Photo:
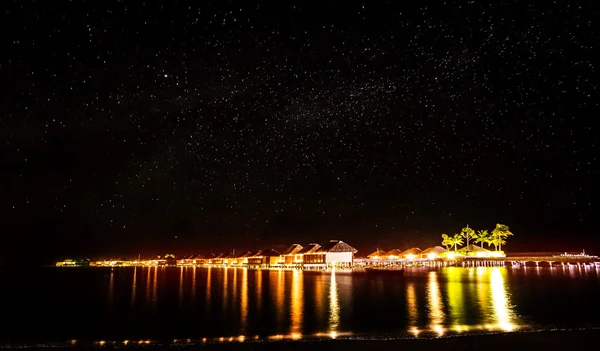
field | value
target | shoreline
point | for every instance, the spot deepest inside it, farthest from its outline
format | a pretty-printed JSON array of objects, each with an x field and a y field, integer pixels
[{"x": 520, "y": 340}]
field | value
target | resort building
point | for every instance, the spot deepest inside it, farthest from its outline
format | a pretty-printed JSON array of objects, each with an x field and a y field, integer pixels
[
  {"x": 410, "y": 253},
  {"x": 477, "y": 251},
  {"x": 264, "y": 257},
  {"x": 432, "y": 252},
  {"x": 291, "y": 256},
  {"x": 378, "y": 254},
  {"x": 393, "y": 254}
]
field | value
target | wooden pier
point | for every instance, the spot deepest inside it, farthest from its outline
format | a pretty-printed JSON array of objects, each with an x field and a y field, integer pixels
[{"x": 510, "y": 261}]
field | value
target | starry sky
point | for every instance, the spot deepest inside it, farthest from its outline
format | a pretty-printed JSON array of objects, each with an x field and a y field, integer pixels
[{"x": 129, "y": 127}]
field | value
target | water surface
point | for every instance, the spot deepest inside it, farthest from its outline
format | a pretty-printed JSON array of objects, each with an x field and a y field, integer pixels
[{"x": 55, "y": 304}]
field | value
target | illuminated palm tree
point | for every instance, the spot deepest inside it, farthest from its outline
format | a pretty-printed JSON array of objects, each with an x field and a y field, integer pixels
[
  {"x": 447, "y": 241},
  {"x": 481, "y": 237},
  {"x": 467, "y": 233},
  {"x": 497, "y": 241},
  {"x": 456, "y": 240},
  {"x": 500, "y": 233}
]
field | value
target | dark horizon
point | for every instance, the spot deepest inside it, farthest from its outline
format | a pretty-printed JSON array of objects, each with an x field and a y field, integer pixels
[{"x": 143, "y": 127}]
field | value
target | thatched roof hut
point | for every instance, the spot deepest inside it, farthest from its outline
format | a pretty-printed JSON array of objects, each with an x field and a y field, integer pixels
[
  {"x": 269, "y": 253},
  {"x": 393, "y": 253},
  {"x": 310, "y": 248},
  {"x": 337, "y": 246},
  {"x": 433, "y": 251},
  {"x": 410, "y": 252},
  {"x": 377, "y": 254},
  {"x": 473, "y": 250},
  {"x": 292, "y": 250}
]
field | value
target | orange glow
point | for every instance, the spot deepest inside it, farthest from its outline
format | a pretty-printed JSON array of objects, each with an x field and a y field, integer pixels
[
  {"x": 411, "y": 300},
  {"x": 133, "y": 285},
  {"x": 155, "y": 285},
  {"x": 111, "y": 287},
  {"x": 410, "y": 256},
  {"x": 244, "y": 299},
  {"x": 280, "y": 294},
  {"x": 180, "y": 286},
  {"x": 334, "y": 306},
  {"x": 297, "y": 301},
  {"x": 434, "y": 297},
  {"x": 259, "y": 274},
  {"x": 225, "y": 288}
]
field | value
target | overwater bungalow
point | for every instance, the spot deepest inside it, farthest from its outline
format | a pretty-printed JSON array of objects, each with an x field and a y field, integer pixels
[
  {"x": 242, "y": 258},
  {"x": 335, "y": 253},
  {"x": 378, "y": 254},
  {"x": 393, "y": 254},
  {"x": 216, "y": 259},
  {"x": 270, "y": 257},
  {"x": 291, "y": 255},
  {"x": 230, "y": 259},
  {"x": 432, "y": 252},
  {"x": 264, "y": 257},
  {"x": 477, "y": 251},
  {"x": 72, "y": 263},
  {"x": 186, "y": 260},
  {"x": 410, "y": 253}
]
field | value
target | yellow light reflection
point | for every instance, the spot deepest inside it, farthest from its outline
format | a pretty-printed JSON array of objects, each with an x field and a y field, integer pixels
[
  {"x": 111, "y": 287},
  {"x": 259, "y": 279},
  {"x": 500, "y": 301},
  {"x": 411, "y": 302},
  {"x": 180, "y": 296},
  {"x": 320, "y": 296},
  {"x": 456, "y": 297},
  {"x": 148, "y": 285},
  {"x": 234, "y": 290},
  {"x": 194, "y": 272},
  {"x": 434, "y": 298},
  {"x": 155, "y": 285},
  {"x": 297, "y": 301},
  {"x": 280, "y": 295},
  {"x": 244, "y": 300},
  {"x": 334, "y": 306},
  {"x": 134, "y": 285},
  {"x": 225, "y": 288},
  {"x": 208, "y": 274}
]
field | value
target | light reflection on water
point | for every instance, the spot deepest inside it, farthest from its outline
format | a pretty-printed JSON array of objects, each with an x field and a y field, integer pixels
[
  {"x": 297, "y": 302},
  {"x": 334, "y": 306},
  {"x": 292, "y": 304},
  {"x": 435, "y": 304},
  {"x": 412, "y": 305}
]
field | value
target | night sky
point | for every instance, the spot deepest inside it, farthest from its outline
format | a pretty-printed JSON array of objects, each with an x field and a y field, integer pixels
[{"x": 135, "y": 127}]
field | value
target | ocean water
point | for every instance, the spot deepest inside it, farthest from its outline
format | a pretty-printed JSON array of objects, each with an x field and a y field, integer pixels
[{"x": 168, "y": 303}]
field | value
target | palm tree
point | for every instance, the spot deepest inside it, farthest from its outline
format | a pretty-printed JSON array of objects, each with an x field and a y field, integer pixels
[
  {"x": 490, "y": 241},
  {"x": 456, "y": 240},
  {"x": 497, "y": 241},
  {"x": 446, "y": 241},
  {"x": 481, "y": 237},
  {"x": 500, "y": 233},
  {"x": 467, "y": 233}
]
